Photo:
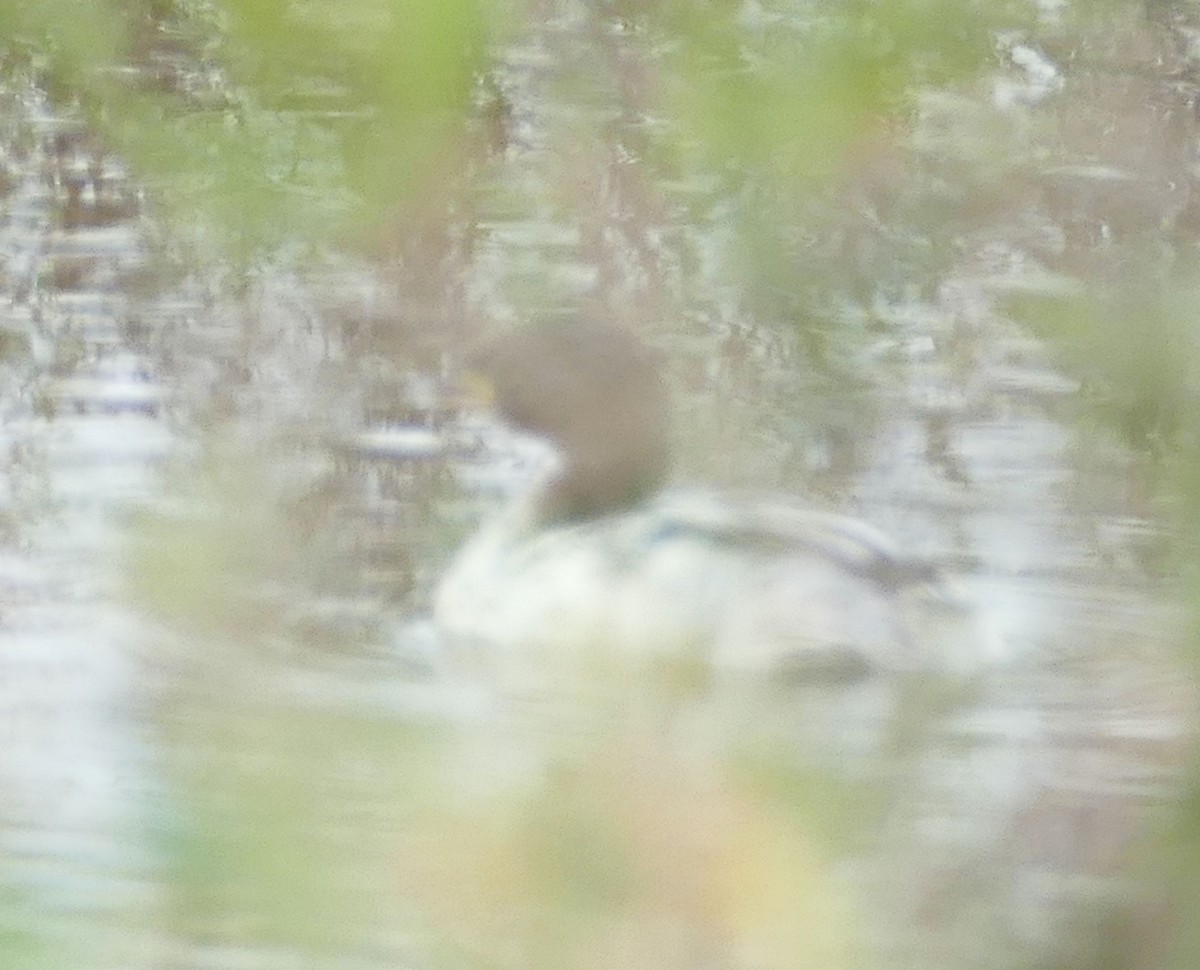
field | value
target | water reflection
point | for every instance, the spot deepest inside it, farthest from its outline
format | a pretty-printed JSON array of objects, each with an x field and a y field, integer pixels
[
  {"x": 83, "y": 431},
  {"x": 225, "y": 737}
]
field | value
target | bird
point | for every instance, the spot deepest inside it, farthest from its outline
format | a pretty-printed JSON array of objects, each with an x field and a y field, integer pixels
[{"x": 604, "y": 557}]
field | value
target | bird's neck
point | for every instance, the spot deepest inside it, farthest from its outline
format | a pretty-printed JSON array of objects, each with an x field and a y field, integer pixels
[{"x": 585, "y": 489}]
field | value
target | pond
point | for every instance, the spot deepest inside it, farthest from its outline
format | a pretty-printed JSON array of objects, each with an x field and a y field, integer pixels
[{"x": 228, "y": 737}]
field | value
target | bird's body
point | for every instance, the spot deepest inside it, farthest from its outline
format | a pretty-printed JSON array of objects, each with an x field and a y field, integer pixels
[
  {"x": 601, "y": 559},
  {"x": 741, "y": 583}
]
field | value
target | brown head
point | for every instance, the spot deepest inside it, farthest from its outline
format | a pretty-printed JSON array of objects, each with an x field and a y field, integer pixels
[{"x": 598, "y": 394}]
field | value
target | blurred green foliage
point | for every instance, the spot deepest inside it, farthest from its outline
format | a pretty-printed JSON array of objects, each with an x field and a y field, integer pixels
[
  {"x": 315, "y": 119},
  {"x": 206, "y": 565},
  {"x": 286, "y": 826},
  {"x": 787, "y": 91},
  {"x": 270, "y": 121},
  {"x": 277, "y": 122}
]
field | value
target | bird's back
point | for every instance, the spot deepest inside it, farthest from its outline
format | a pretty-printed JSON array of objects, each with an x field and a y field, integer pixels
[{"x": 742, "y": 583}]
